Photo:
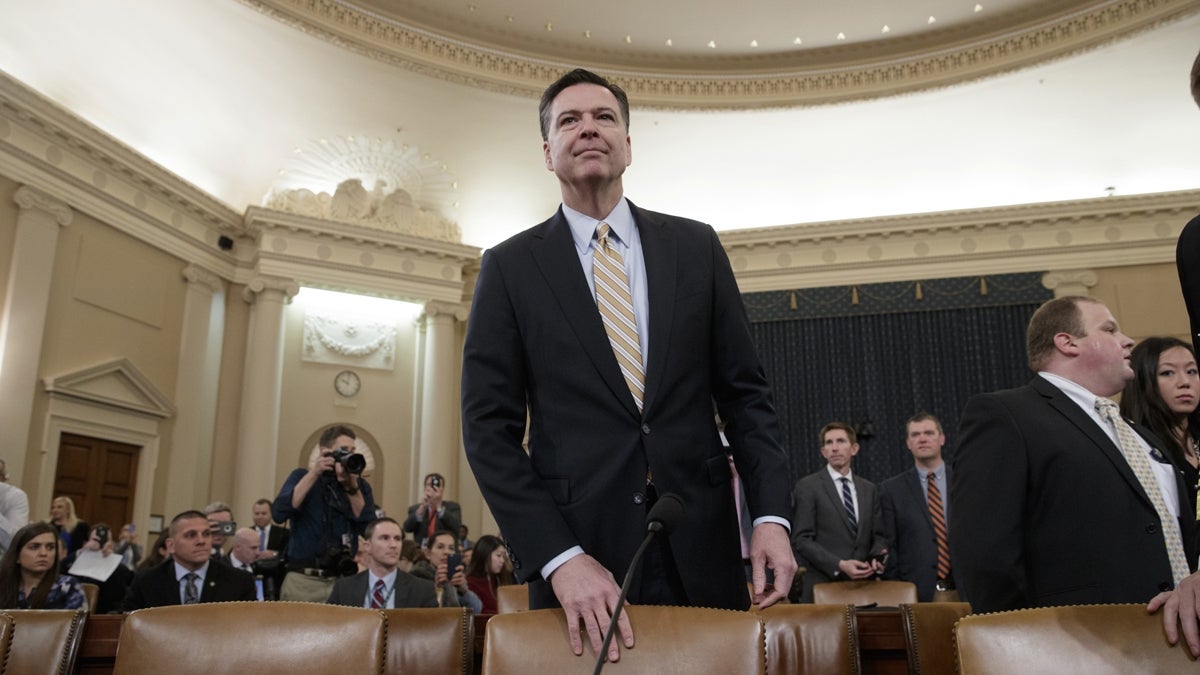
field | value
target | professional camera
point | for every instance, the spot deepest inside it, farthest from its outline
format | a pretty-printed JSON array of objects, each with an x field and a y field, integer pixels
[
  {"x": 338, "y": 560},
  {"x": 352, "y": 461},
  {"x": 224, "y": 527}
]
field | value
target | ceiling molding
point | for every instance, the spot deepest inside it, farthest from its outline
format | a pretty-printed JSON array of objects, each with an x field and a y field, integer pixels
[
  {"x": 802, "y": 78},
  {"x": 1092, "y": 233}
]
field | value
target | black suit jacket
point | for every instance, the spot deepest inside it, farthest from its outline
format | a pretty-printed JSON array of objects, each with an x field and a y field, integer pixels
[
  {"x": 158, "y": 587},
  {"x": 535, "y": 337},
  {"x": 821, "y": 533},
  {"x": 1046, "y": 511},
  {"x": 409, "y": 591},
  {"x": 1187, "y": 259},
  {"x": 277, "y": 539},
  {"x": 912, "y": 545}
]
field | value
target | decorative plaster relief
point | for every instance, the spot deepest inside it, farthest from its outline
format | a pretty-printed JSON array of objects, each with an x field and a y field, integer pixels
[{"x": 346, "y": 339}]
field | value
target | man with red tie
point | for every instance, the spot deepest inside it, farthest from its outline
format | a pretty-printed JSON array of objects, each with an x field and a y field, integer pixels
[{"x": 434, "y": 512}]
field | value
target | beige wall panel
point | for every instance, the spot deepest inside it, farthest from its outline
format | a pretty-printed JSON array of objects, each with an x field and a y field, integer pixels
[
  {"x": 229, "y": 401},
  {"x": 1145, "y": 299},
  {"x": 8, "y": 229}
]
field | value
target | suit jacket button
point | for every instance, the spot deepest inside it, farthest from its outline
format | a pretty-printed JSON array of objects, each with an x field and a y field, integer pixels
[
  {"x": 639, "y": 498},
  {"x": 646, "y": 429},
  {"x": 1151, "y": 529}
]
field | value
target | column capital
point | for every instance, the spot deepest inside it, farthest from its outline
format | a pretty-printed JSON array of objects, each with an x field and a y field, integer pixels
[
  {"x": 435, "y": 308},
  {"x": 265, "y": 284},
  {"x": 1069, "y": 282},
  {"x": 197, "y": 276},
  {"x": 32, "y": 198}
]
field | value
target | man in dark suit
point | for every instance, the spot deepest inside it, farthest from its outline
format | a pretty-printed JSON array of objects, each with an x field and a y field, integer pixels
[
  {"x": 618, "y": 370},
  {"x": 434, "y": 512},
  {"x": 909, "y": 510},
  {"x": 189, "y": 576},
  {"x": 837, "y": 530},
  {"x": 272, "y": 538},
  {"x": 383, "y": 585},
  {"x": 1056, "y": 501},
  {"x": 1181, "y": 606}
]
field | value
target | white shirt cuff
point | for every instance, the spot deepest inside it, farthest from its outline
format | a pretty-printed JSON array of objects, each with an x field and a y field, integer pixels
[
  {"x": 559, "y": 559},
  {"x": 773, "y": 519}
]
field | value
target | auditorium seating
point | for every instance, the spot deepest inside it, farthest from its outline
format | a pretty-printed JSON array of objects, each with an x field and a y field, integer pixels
[
  {"x": 430, "y": 641},
  {"x": 224, "y": 637},
  {"x": 1093, "y": 639},
  {"x": 811, "y": 639},
  {"x": 44, "y": 640},
  {"x": 668, "y": 640},
  {"x": 6, "y": 633},
  {"x": 92, "y": 593},
  {"x": 876, "y": 592},
  {"x": 929, "y": 635},
  {"x": 512, "y": 598}
]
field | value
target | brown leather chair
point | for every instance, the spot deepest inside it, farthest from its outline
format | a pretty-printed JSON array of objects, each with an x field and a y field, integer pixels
[
  {"x": 668, "y": 640},
  {"x": 929, "y": 635},
  {"x": 440, "y": 640},
  {"x": 45, "y": 640},
  {"x": 224, "y": 637},
  {"x": 91, "y": 592},
  {"x": 6, "y": 633},
  {"x": 512, "y": 598},
  {"x": 870, "y": 592},
  {"x": 811, "y": 639},
  {"x": 1093, "y": 639}
]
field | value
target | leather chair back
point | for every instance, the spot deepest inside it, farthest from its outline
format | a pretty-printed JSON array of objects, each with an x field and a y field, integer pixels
[
  {"x": 92, "y": 593},
  {"x": 870, "y": 592},
  {"x": 6, "y": 633},
  {"x": 811, "y": 639},
  {"x": 423, "y": 640},
  {"x": 224, "y": 637},
  {"x": 1093, "y": 639},
  {"x": 512, "y": 598},
  {"x": 45, "y": 640},
  {"x": 668, "y": 640},
  {"x": 929, "y": 635}
]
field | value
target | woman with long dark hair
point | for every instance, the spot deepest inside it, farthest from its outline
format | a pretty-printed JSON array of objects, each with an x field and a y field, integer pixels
[
  {"x": 489, "y": 570},
  {"x": 29, "y": 577},
  {"x": 1163, "y": 396}
]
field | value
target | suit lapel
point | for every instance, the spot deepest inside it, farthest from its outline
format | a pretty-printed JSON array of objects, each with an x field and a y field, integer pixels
[
  {"x": 834, "y": 494},
  {"x": 553, "y": 252},
  {"x": 1085, "y": 424},
  {"x": 659, "y": 254},
  {"x": 917, "y": 493},
  {"x": 866, "y": 498}
]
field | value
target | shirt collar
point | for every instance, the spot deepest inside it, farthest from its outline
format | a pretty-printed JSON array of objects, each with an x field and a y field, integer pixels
[
  {"x": 583, "y": 227},
  {"x": 389, "y": 580},
  {"x": 181, "y": 571},
  {"x": 837, "y": 476}
]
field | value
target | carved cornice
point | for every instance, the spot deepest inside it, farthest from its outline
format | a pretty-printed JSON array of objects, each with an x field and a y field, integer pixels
[
  {"x": 270, "y": 286},
  {"x": 1069, "y": 280},
  {"x": 199, "y": 277},
  {"x": 33, "y": 198},
  {"x": 1085, "y": 234},
  {"x": 805, "y": 77},
  {"x": 435, "y": 308}
]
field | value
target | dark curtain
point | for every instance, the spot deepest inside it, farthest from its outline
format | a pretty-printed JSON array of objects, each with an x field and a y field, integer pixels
[{"x": 883, "y": 368}]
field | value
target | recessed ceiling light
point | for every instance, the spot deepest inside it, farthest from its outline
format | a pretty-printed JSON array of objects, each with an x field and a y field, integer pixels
[
  {"x": 841, "y": 36},
  {"x": 754, "y": 43},
  {"x": 549, "y": 27},
  {"x": 470, "y": 8},
  {"x": 712, "y": 44},
  {"x": 932, "y": 20},
  {"x": 587, "y": 33},
  {"x": 797, "y": 41},
  {"x": 978, "y": 8},
  {"x": 886, "y": 30},
  {"x": 508, "y": 18},
  {"x": 628, "y": 39},
  {"x": 669, "y": 43}
]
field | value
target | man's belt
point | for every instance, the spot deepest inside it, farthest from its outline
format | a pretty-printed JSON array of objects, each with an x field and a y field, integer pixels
[{"x": 945, "y": 585}]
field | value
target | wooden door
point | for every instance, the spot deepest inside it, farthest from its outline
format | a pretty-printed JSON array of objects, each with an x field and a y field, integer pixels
[{"x": 99, "y": 476}]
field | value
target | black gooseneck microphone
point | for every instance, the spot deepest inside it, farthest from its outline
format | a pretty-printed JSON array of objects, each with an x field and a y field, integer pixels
[{"x": 663, "y": 517}]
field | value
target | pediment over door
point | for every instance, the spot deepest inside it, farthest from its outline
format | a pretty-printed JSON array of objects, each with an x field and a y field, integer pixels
[{"x": 116, "y": 384}]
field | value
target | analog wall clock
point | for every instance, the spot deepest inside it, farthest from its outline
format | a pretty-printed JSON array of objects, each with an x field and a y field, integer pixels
[{"x": 347, "y": 383}]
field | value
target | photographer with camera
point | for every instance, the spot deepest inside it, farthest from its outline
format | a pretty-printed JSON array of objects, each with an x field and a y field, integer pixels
[
  {"x": 433, "y": 513},
  {"x": 220, "y": 523},
  {"x": 329, "y": 505}
]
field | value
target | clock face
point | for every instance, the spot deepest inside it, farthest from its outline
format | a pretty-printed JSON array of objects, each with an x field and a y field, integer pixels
[{"x": 347, "y": 383}]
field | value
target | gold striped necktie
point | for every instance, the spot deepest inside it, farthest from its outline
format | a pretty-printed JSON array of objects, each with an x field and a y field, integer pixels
[
  {"x": 615, "y": 303},
  {"x": 937, "y": 514}
]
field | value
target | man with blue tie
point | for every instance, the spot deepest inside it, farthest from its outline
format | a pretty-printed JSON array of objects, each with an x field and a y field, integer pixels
[
  {"x": 837, "y": 530},
  {"x": 383, "y": 585}
]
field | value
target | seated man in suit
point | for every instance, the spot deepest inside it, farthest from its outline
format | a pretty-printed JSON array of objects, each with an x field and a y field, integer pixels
[
  {"x": 915, "y": 506},
  {"x": 433, "y": 513},
  {"x": 189, "y": 576},
  {"x": 272, "y": 539},
  {"x": 838, "y": 526},
  {"x": 382, "y": 585},
  {"x": 1057, "y": 499}
]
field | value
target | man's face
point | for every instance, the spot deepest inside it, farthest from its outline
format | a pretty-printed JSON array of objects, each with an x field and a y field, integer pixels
[
  {"x": 434, "y": 489},
  {"x": 587, "y": 142},
  {"x": 440, "y": 549},
  {"x": 245, "y": 546},
  {"x": 384, "y": 545},
  {"x": 925, "y": 440},
  {"x": 262, "y": 515},
  {"x": 837, "y": 449},
  {"x": 214, "y": 519},
  {"x": 1103, "y": 350},
  {"x": 191, "y": 544}
]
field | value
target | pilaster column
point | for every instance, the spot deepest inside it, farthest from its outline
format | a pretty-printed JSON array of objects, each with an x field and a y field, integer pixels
[
  {"x": 440, "y": 440},
  {"x": 258, "y": 425},
  {"x": 189, "y": 468},
  {"x": 1069, "y": 282},
  {"x": 23, "y": 324}
]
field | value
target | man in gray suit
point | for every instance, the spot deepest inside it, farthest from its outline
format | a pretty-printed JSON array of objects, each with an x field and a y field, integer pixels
[
  {"x": 383, "y": 585},
  {"x": 837, "y": 531}
]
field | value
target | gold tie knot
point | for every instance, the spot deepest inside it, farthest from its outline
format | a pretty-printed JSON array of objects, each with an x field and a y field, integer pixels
[{"x": 602, "y": 232}]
